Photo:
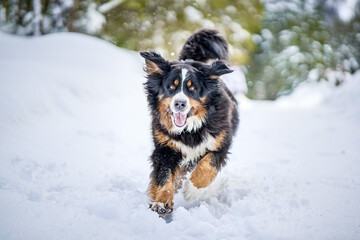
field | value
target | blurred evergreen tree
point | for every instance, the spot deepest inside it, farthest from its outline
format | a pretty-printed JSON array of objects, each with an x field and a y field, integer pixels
[
  {"x": 33, "y": 17},
  {"x": 293, "y": 44},
  {"x": 345, "y": 39},
  {"x": 164, "y": 25}
]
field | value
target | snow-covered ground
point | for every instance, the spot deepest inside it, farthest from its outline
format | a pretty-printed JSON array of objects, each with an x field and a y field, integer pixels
[{"x": 75, "y": 141}]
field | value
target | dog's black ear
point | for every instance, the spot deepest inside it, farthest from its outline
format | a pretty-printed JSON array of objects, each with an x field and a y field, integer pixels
[
  {"x": 156, "y": 65},
  {"x": 218, "y": 68}
]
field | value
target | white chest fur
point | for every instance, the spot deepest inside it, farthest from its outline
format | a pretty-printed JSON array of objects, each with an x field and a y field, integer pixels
[{"x": 191, "y": 154}]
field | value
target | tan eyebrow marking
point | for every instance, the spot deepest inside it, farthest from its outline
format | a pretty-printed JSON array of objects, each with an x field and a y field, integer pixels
[
  {"x": 189, "y": 83},
  {"x": 176, "y": 82}
]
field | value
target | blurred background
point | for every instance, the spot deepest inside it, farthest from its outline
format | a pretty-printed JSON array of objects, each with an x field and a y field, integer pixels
[{"x": 276, "y": 44}]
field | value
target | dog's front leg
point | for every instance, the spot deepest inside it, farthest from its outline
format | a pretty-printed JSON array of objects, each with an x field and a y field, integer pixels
[
  {"x": 162, "y": 195},
  {"x": 205, "y": 172},
  {"x": 202, "y": 176},
  {"x": 162, "y": 179}
]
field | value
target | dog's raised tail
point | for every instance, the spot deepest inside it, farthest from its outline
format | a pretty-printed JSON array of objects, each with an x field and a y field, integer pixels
[{"x": 205, "y": 45}]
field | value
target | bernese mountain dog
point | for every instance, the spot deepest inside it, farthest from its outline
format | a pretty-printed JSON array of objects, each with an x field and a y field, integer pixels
[{"x": 194, "y": 118}]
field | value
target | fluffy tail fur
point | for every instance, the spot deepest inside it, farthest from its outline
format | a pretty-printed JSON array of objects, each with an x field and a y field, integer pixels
[{"x": 205, "y": 45}]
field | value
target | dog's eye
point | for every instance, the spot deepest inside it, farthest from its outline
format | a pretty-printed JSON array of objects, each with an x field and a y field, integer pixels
[
  {"x": 191, "y": 88},
  {"x": 172, "y": 87}
]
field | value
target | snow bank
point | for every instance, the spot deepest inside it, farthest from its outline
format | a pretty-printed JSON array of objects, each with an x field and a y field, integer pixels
[{"x": 75, "y": 139}]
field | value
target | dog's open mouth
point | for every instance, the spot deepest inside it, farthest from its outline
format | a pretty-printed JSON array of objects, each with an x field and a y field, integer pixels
[{"x": 180, "y": 118}]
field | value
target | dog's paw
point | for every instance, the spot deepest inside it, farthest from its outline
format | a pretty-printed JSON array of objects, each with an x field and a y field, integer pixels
[
  {"x": 190, "y": 192},
  {"x": 161, "y": 208}
]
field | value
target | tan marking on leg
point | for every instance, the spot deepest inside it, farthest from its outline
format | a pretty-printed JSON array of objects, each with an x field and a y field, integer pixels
[
  {"x": 152, "y": 190},
  {"x": 204, "y": 173},
  {"x": 163, "y": 194},
  {"x": 180, "y": 177}
]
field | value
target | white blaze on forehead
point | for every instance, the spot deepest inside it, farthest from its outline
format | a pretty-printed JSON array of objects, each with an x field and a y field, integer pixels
[
  {"x": 180, "y": 95},
  {"x": 184, "y": 72}
]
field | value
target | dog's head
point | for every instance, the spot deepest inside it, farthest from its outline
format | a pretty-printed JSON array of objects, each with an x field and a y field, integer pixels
[{"x": 178, "y": 91}]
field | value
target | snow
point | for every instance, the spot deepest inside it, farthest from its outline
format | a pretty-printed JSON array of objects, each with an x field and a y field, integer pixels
[
  {"x": 106, "y": 7},
  {"x": 93, "y": 21},
  {"x": 236, "y": 81},
  {"x": 346, "y": 9},
  {"x": 75, "y": 141}
]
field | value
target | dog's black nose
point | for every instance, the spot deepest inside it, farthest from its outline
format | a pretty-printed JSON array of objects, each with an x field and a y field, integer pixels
[{"x": 180, "y": 105}]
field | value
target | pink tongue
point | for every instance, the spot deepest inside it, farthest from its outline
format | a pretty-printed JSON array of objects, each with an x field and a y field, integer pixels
[{"x": 180, "y": 119}]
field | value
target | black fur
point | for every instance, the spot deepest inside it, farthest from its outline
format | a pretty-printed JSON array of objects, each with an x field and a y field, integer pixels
[
  {"x": 219, "y": 101},
  {"x": 204, "y": 45}
]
